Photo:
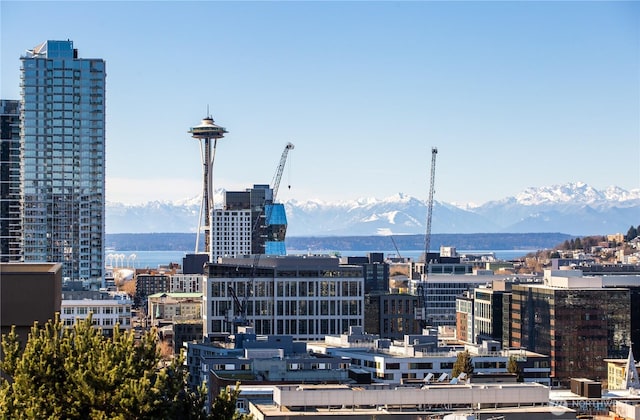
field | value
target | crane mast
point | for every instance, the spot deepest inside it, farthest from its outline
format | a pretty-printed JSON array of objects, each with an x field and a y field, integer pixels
[
  {"x": 421, "y": 310},
  {"x": 241, "y": 307},
  {"x": 427, "y": 237}
]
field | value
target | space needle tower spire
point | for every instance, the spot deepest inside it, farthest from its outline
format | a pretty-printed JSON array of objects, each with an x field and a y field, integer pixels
[{"x": 207, "y": 133}]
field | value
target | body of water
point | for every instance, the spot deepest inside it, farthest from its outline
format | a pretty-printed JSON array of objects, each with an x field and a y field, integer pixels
[{"x": 153, "y": 259}]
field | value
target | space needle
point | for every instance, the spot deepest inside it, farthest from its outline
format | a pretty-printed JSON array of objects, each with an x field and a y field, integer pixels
[{"x": 204, "y": 133}]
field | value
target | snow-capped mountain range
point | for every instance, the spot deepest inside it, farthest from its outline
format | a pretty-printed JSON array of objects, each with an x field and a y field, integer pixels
[{"x": 574, "y": 208}]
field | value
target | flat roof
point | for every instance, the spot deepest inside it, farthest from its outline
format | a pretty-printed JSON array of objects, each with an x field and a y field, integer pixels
[{"x": 27, "y": 267}]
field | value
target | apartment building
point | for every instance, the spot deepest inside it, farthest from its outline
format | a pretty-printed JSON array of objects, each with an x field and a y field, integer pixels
[
  {"x": 106, "y": 312},
  {"x": 62, "y": 153}
]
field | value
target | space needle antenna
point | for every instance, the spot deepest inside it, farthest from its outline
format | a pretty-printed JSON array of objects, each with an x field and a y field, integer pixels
[{"x": 204, "y": 133}]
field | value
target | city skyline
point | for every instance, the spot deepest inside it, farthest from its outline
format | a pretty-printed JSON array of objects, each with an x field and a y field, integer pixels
[{"x": 513, "y": 94}]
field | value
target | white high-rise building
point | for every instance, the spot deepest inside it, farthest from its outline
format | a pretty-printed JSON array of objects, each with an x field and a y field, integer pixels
[{"x": 62, "y": 170}]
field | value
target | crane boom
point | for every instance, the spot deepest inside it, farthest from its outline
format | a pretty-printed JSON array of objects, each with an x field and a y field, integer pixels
[
  {"x": 275, "y": 183},
  {"x": 427, "y": 237},
  {"x": 241, "y": 307}
]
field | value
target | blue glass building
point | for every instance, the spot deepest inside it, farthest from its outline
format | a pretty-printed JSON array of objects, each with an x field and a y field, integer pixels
[
  {"x": 62, "y": 171},
  {"x": 9, "y": 180}
]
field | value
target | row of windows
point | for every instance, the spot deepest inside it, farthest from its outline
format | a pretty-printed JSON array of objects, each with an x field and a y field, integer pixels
[
  {"x": 96, "y": 310},
  {"x": 325, "y": 307},
  {"x": 104, "y": 322},
  {"x": 322, "y": 288}
]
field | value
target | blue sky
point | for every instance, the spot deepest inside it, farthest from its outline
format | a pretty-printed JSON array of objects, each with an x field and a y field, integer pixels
[{"x": 513, "y": 94}]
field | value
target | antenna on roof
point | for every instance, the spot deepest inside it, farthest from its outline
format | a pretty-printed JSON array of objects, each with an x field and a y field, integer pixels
[{"x": 208, "y": 115}]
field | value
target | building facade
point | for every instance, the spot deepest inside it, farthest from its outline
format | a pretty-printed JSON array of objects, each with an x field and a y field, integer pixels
[
  {"x": 248, "y": 223},
  {"x": 302, "y": 296},
  {"x": 172, "y": 307},
  {"x": 148, "y": 284},
  {"x": 9, "y": 180},
  {"x": 63, "y": 160},
  {"x": 439, "y": 292},
  {"x": 105, "y": 313},
  {"x": 391, "y": 315},
  {"x": 419, "y": 358},
  {"x": 186, "y": 283},
  {"x": 464, "y": 318},
  {"x": 575, "y": 320},
  {"x": 487, "y": 314}
]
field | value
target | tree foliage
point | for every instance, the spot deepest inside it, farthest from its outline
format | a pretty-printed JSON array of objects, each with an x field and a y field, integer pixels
[
  {"x": 463, "y": 363},
  {"x": 77, "y": 373},
  {"x": 513, "y": 367},
  {"x": 224, "y": 406}
]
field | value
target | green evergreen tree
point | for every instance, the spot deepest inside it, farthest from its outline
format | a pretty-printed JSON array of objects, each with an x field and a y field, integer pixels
[
  {"x": 632, "y": 233},
  {"x": 463, "y": 363},
  {"x": 513, "y": 367},
  {"x": 77, "y": 373},
  {"x": 577, "y": 244},
  {"x": 224, "y": 405}
]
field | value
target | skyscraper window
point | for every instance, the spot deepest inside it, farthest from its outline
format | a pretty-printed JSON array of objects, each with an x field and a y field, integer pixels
[{"x": 62, "y": 170}]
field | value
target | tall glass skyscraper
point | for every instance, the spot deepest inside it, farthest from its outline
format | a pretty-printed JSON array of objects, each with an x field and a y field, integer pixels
[
  {"x": 9, "y": 180},
  {"x": 62, "y": 172}
]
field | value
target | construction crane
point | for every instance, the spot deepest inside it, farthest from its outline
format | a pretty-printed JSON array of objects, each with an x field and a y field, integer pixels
[
  {"x": 427, "y": 236},
  {"x": 422, "y": 287},
  {"x": 278, "y": 175},
  {"x": 395, "y": 246},
  {"x": 240, "y": 318}
]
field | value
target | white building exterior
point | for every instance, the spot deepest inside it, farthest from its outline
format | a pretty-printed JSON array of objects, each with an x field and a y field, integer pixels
[
  {"x": 306, "y": 297},
  {"x": 408, "y": 403},
  {"x": 231, "y": 233},
  {"x": 395, "y": 362},
  {"x": 186, "y": 283},
  {"x": 105, "y": 313}
]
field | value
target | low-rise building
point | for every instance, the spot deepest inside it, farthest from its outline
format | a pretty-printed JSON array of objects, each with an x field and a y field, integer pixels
[
  {"x": 418, "y": 357},
  {"x": 106, "y": 312},
  {"x": 513, "y": 400},
  {"x": 254, "y": 359},
  {"x": 165, "y": 308}
]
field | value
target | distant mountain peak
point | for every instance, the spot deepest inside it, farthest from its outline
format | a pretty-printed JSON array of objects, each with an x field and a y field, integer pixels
[{"x": 571, "y": 208}]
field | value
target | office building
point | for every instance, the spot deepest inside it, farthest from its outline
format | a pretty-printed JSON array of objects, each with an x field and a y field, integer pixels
[
  {"x": 391, "y": 315},
  {"x": 306, "y": 297},
  {"x": 9, "y": 180},
  {"x": 578, "y": 321},
  {"x": 63, "y": 160},
  {"x": 438, "y": 293}
]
